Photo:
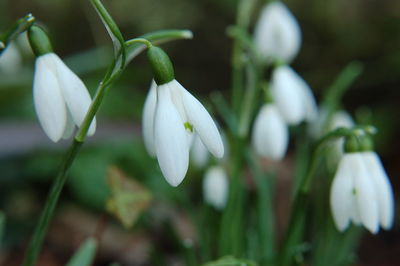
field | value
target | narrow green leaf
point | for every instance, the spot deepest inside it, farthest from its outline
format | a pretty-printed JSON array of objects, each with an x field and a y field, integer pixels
[
  {"x": 111, "y": 26},
  {"x": 84, "y": 256}
]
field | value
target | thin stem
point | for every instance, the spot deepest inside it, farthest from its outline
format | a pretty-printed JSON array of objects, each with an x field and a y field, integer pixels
[
  {"x": 244, "y": 11},
  {"x": 20, "y": 26},
  {"x": 139, "y": 40},
  {"x": 51, "y": 203}
]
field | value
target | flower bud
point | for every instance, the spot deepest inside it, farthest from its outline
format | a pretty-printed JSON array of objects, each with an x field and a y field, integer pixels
[
  {"x": 351, "y": 144},
  {"x": 39, "y": 41},
  {"x": 161, "y": 65}
]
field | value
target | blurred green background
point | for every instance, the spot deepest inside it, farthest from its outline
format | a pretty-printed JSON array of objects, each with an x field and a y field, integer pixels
[{"x": 335, "y": 32}]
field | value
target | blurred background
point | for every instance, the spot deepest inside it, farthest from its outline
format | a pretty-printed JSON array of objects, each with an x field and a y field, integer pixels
[{"x": 335, "y": 32}]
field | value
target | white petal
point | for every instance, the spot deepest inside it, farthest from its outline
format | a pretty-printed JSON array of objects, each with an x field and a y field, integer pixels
[
  {"x": 341, "y": 119},
  {"x": 69, "y": 128},
  {"x": 49, "y": 103},
  {"x": 288, "y": 95},
  {"x": 277, "y": 34},
  {"x": 149, "y": 110},
  {"x": 341, "y": 196},
  {"x": 216, "y": 187},
  {"x": 310, "y": 106},
  {"x": 199, "y": 153},
  {"x": 383, "y": 188},
  {"x": 270, "y": 133},
  {"x": 75, "y": 94},
  {"x": 202, "y": 122},
  {"x": 170, "y": 138},
  {"x": 366, "y": 199}
]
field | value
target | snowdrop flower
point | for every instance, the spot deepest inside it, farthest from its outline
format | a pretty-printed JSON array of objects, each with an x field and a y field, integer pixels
[
  {"x": 216, "y": 187},
  {"x": 171, "y": 116},
  {"x": 61, "y": 99},
  {"x": 277, "y": 34},
  {"x": 292, "y": 96},
  {"x": 270, "y": 133},
  {"x": 10, "y": 59},
  {"x": 361, "y": 193}
]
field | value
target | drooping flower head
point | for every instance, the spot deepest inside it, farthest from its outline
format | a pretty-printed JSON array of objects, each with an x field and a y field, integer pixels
[
  {"x": 60, "y": 97},
  {"x": 277, "y": 34},
  {"x": 292, "y": 96},
  {"x": 171, "y": 115},
  {"x": 270, "y": 135},
  {"x": 361, "y": 192},
  {"x": 216, "y": 187}
]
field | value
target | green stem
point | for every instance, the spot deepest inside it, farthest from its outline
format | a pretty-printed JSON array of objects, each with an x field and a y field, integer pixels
[
  {"x": 244, "y": 11},
  {"x": 20, "y": 26},
  {"x": 51, "y": 203}
]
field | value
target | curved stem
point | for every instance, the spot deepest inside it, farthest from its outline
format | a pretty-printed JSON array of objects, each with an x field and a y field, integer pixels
[
  {"x": 51, "y": 202},
  {"x": 139, "y": 40}
]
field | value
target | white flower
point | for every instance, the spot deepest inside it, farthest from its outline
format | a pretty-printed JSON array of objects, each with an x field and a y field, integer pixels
[
  {"x": 270, "y": 134},
  {"x": 169, "y": 120},
  {"x": 277, "y": 34},
  {"x": 10, "y": 59},
  {"x": 216, "y": 187},
  {"x": 293, "y": 96},
  {"x": 61, "y": 99},
  {"x": 361, "y": 193}
]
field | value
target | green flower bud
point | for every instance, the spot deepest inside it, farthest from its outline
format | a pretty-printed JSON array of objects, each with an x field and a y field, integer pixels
[
  {"x": 351, "y": 144},
  {"x": 161, "y": 65},
  {"x": 366, "y": 143},
  {"x": 39, "y": 41}
]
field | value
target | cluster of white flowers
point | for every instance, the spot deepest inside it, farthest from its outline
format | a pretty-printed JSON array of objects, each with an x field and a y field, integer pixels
[
  {"x": 277, "y": 37},
  {"x": 361, "y": 193}
]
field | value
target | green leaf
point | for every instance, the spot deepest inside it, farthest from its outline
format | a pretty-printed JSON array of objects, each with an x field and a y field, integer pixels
[
  {"x": 156, "y": 37},
  {"x": 84, "y": 256},
  {"x": 128, "y": 198},
  {"x": 230, "y": 261},
  {"x": 111, "y": 26}
]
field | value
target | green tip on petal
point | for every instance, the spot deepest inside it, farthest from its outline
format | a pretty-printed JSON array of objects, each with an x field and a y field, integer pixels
[
  {"x": 161, "y": 65},
  {"x": 39, "y": 41}
]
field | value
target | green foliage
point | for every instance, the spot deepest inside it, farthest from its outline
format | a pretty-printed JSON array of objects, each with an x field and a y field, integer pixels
[
  {"x": 84, "y": 256},
  {"x": 230, "y": 261}
]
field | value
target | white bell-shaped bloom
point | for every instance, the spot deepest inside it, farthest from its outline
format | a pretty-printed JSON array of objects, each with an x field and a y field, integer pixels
[
  {"x": 216, "y": 187},
  {"x": 382, "y": 187},
  {"x": 10, "y": 59},
  {"x": 293, "y": 96},
  {"x": 61, "y": 99},
  {"x": 168, "y": 125},
  {"x": 277, "y": 34},
  {"x": 361, "y": 193},
  {"x": 270, "y": 133},
  {"x": 199, "y": 153}
]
